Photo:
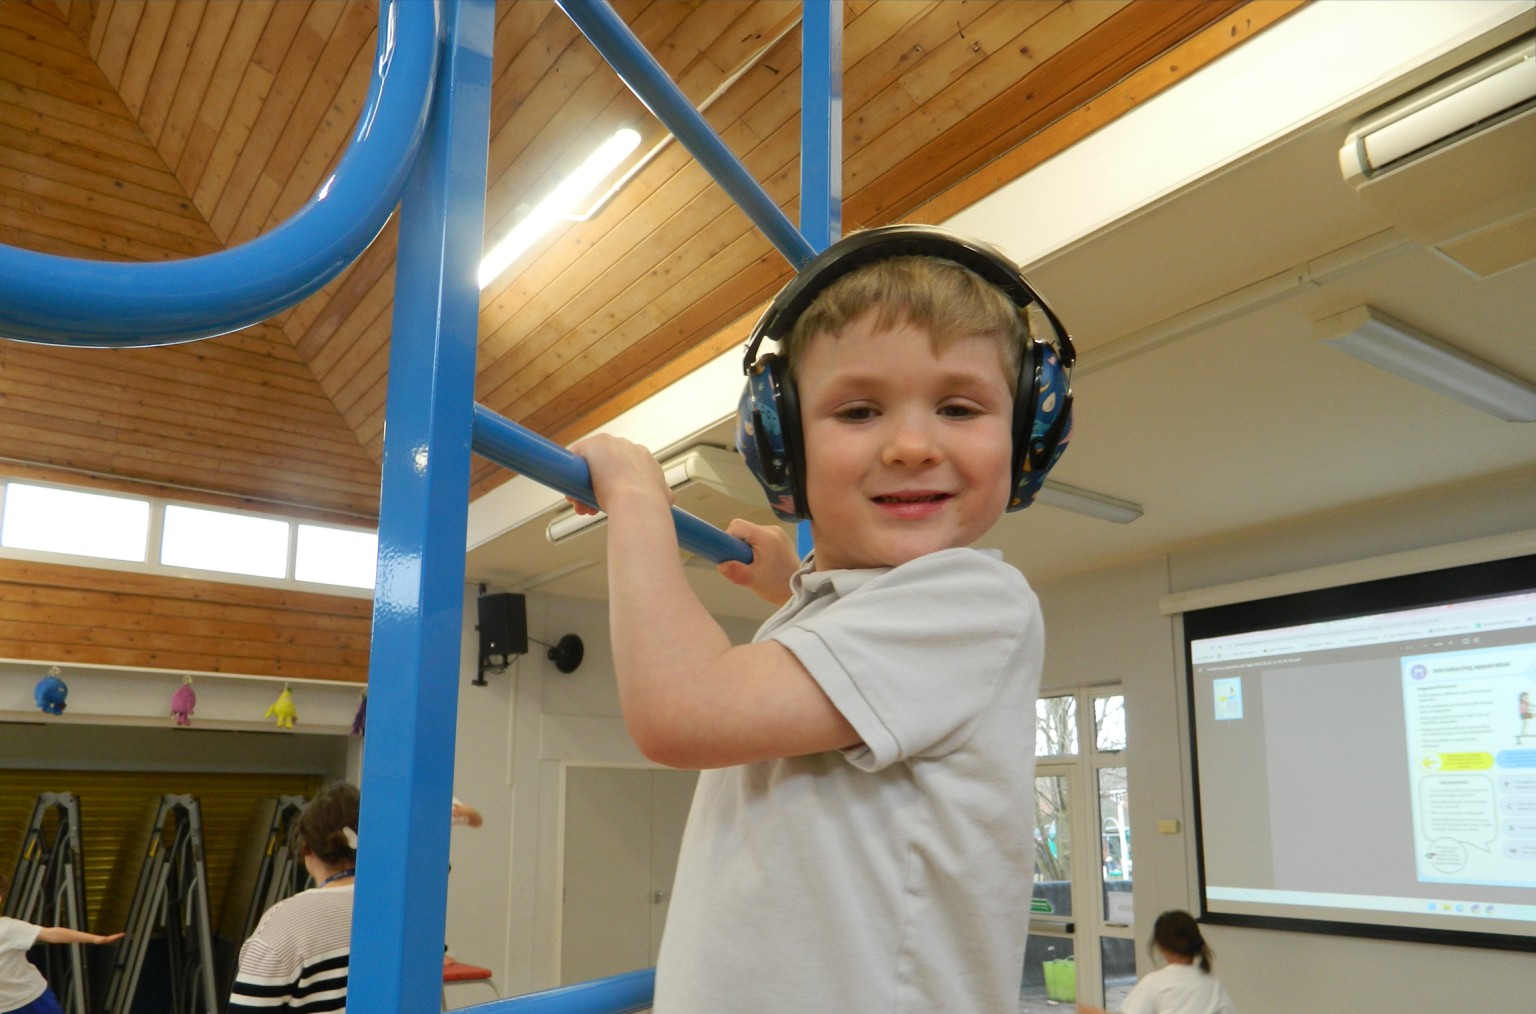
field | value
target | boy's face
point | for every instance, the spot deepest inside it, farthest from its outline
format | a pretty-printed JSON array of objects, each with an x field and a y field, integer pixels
[{"x": 907, "y": 452}]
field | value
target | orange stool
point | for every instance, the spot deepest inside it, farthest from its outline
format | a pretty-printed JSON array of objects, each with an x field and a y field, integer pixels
[{"x": 458, "y": 971}]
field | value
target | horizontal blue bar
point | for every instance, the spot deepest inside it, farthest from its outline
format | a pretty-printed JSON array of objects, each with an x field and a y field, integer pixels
[
  {"x": 650, "y": 83},
  {"x": 95, "y": 304},
  {"x": 618, "y": 994},
  {"x": 547, "y": 463}
]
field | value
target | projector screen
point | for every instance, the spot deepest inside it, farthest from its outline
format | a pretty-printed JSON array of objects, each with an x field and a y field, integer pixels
[{"x": 1365, "y": 757}]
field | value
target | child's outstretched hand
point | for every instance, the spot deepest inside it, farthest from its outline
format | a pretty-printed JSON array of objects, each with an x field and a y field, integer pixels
[{"x": 774, "y": 561}]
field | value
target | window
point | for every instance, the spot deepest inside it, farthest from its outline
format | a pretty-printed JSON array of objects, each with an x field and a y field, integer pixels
[
  {"x": 216, "y": 540},
  {"x": 336, "y": 556},
  {"x": 56, "y": 520}
]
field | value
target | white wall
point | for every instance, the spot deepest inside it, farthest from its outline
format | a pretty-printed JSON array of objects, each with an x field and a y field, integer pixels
[
  {"x": 516, "y": 737},
  {"x": 1106, "y": 627}
]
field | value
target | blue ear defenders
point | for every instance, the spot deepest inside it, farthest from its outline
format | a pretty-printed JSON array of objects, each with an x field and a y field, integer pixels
[{"x": 768, "y": 416}]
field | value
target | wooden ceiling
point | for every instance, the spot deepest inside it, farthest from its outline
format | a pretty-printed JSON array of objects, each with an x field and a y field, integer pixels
[{"x": 156, "y": 129}]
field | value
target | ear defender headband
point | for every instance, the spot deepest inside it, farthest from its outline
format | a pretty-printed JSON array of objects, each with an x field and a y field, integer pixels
[{"x": 768, "y": 416}]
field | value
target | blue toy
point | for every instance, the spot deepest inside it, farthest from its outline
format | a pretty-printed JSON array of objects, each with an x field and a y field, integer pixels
[{"x": 50, "y": 693}]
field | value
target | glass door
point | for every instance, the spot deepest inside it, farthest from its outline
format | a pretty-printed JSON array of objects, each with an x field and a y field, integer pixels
[{"x": 1081, "y": 941}]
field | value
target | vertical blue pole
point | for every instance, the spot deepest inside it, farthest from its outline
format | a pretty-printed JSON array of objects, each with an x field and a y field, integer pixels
[
  {"x": 398, "y": 923},
  {"x": 821, "y": 140}
]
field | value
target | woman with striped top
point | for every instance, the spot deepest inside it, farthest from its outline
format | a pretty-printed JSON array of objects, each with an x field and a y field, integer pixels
[{"x": 297, "y": 958}]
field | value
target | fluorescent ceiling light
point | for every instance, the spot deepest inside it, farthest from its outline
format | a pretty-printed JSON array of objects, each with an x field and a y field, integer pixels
[
  {"x": 1088, "y": 503},
  {"x": 560, "y": 203},
  {"x": 1367, "y": 333}
]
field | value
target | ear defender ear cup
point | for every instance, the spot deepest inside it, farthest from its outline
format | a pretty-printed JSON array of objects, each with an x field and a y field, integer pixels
[
  {"x": 768, "y": 436},
  {"x": 1042, "y": 421},
  {"x": 768, "y": 414}
]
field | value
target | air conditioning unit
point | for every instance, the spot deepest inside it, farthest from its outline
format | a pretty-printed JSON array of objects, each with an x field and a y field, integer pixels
[
  {"x": 707, "y": 481},
  {"x": 1454, "y": 163}
]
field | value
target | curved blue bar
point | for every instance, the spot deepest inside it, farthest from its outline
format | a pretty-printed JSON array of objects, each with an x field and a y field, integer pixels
[
  {"x": 618, "y": 994},
  {"x": 650, "y": 83},
  {"x": 68, "y": 301},
  {"x": 548, "y": 464}
]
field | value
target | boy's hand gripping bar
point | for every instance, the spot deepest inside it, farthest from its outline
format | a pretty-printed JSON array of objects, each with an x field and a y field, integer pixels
[{"x": 547, "y": 463}]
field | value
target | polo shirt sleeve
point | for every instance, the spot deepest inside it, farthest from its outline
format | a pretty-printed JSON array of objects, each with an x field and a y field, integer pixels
[
  {"x": 915, "y": 656},
  {"x": 16, "y": 935}
]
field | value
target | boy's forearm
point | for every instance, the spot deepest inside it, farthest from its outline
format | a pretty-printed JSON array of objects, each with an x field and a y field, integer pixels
[
  {"x": 664, "y": 639},
  {"x": 64, "y": 935}
]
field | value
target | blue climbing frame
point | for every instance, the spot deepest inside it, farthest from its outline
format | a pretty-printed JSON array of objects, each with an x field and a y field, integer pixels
[{"x": 422, "y": 140}]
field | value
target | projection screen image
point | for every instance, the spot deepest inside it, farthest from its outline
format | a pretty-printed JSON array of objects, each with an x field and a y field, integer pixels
[{"x": 1373, "y": 773}]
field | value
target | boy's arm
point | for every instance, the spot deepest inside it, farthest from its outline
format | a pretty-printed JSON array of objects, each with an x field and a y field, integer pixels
[
  {"x": 690, "y": 698},
  {"x": 61, "y": 935}
]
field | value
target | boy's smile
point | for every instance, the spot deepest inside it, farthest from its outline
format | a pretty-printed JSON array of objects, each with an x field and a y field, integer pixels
[{"x": 907, "y": 451}]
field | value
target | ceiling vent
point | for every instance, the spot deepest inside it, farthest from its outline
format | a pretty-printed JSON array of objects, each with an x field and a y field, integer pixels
[{"x": 1454, "y": 163}]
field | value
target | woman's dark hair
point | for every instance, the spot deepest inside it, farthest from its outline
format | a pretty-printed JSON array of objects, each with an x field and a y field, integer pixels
[
  {"x": 1177, "y": 933},
  {"x": 320, "y": 828}
]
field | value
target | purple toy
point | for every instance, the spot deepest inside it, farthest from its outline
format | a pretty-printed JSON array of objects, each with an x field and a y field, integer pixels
[
  {"x": 361, "y": 718},
  {"x": 183, "y": 701}
]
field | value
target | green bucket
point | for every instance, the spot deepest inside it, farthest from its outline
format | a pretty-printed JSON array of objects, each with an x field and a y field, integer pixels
[{"x": 1061, "y": 980}]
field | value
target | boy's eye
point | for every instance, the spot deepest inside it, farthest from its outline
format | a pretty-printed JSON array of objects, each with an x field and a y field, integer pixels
[
  {"x": 856, "y": 413},
  {"x": 957, "y": 411}
]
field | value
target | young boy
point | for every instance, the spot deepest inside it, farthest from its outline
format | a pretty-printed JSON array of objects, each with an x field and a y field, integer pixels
[
  {"x": 23, "y": 990},
  {"x": 862, "y": 838}
]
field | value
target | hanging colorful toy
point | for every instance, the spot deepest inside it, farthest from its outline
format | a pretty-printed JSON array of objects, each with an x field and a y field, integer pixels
[
  {"x": 183, "y": 701},
  {"x": 283, "y": 709},
  {"x": 360, "y": 720},
  {"x": 51, "y": 692}
]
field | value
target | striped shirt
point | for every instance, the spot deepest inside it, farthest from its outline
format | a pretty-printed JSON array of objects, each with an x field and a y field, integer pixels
[{"x": 297, "y": 958}]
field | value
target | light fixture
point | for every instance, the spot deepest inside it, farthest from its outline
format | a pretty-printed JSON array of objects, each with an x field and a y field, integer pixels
[
  {"x": 1088, "y": 503},
  {"x": 1368, "y": 334},
  {"x": 559, "y": 204}
]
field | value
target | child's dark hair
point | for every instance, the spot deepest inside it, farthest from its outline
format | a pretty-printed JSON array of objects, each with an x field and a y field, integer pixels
[
  {"x": 320, "y": 828},
  {"x": 1177, "y": 933}
]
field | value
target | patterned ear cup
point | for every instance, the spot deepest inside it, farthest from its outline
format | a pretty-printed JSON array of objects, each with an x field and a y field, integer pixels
[
  {"x": 768, "y": 436},
  {"x": 1042, "y": 421}
]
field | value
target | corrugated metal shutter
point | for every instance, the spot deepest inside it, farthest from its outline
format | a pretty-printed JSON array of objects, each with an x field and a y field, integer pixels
[{"x": 116, "y": 809}]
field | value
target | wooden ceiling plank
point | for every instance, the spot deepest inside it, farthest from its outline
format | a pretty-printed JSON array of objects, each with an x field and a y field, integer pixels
[
  {"x": 115, "y": 129},
  {"x": 243, "y": 138},
  {"x": 166, "y": 459},
  {"x": 895, "y": 134},
  {"x": 366, "y": 360},
  {"x": 1047, "y": 94},
  {"x": 175, "y": 54},
  {"x": 191, "y": 87},
  {"x": 120, "y": 238},
  {"x": 353, "y": 330},
  {"x": 44, "y": 43},
  {"x": 70, "y": 87},
  {"x": 108, "y": 615},
  {"x": 34, "y": 391},
  {"x": 351, "y": 38},
  {"x": 102, "y": 16},
  {"x": 225, "y": 100},
  {"x": 158, "y": 370},
  {"x": 356, "y": 284},
  {"x": 112, "y": 49},
  {"x": 93, "y": 411},
  {"x": 73, "y": 186},
  {"x": 144, "y": 53},
  {"x": 77, "y": 146},
  {"x": 127, "y": 582}
]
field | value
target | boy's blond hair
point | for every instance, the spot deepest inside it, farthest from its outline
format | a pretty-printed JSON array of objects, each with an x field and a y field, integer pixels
[{"x": 947, "y": 299}]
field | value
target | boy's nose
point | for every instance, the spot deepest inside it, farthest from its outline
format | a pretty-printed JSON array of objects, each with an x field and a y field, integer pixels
[{"x": 911, "y": 443}]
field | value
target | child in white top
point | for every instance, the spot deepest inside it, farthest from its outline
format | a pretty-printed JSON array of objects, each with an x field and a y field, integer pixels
[{"x": 1179, "y": 987}]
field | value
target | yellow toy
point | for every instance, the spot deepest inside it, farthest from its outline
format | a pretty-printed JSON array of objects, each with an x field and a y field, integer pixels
[{"x": 284, "y": 710}]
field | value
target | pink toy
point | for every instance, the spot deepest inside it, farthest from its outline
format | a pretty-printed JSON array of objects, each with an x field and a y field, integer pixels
[{"x": 183, "y": 701}]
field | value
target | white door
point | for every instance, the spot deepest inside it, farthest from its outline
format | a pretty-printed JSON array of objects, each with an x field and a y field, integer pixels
[{"x": 623, "y": 827}]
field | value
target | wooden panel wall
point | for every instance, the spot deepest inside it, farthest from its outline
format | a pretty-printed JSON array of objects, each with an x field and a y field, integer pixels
[{"x": 85, "y": 616}]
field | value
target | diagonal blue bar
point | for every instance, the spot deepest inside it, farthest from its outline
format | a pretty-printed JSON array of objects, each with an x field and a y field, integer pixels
[
  {"x": 401, "y": 900},
  {"x": 92, "y": 304},
  {"x": 547, "y": 463},
  {"x": 650, "y": 83}
]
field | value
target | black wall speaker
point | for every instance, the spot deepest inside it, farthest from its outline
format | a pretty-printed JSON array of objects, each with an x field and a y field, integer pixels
[{"x": 503, "y": 626}]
